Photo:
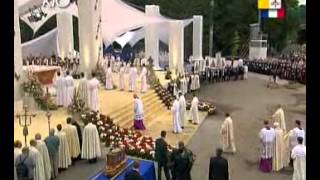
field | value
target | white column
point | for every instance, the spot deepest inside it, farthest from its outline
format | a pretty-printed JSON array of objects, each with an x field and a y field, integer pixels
[
  {"x": 176, "y": 46},
  {"x": 151, "y": 39},
  {"x": 88, "y": 26},
  {"x": 17, "y": 60},
  {"x": 65, "y": 34},
  {"x": 197, "y": 38}
]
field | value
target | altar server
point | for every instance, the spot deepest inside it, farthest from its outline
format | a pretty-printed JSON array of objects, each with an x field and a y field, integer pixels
[
  {"x": 299, "y": 160},
  {"x": 109, "y": 84},
  {"x": 138, "y": 113},
  {"x": 267, "y": 138},
  {"x": 64, "y": 153},
  {"x": 279, "y": 148},
  {"x": 182, "y": 109},
  {"x": 68, "y": 90},
  {"x": 83, "y": 89},
  {"x": 43, "y": 150},
  {"x": 226, "y": 131},
  {"x": 143, "y": 76},
  {"x": 194, "y": 110},
  {"x": 39, "y": 173},
  {"x": 17, "y": 152},
  {"x": 278, "y": 116},
  {"x": 93, "y": 86},
  {"x": 90, "y": 143},
  {"x": 295, "y": 133},
  {"x": 121, "y": 78},
  {"x": 72, "y": 138},
  {"x": 175, "y": 109},
  {"x": 132, "y": 78},
  {"x": 59, "y": 85}
]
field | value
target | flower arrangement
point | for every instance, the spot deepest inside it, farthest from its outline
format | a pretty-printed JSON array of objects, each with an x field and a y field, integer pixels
[
  {"x": 203, "y": 106},
  {"x": 33, "y": 87},
  {"x": 77, "y": 105}
]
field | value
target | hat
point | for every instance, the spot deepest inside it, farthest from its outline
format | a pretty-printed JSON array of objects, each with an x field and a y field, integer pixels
[{"x": 276, "y": 124}]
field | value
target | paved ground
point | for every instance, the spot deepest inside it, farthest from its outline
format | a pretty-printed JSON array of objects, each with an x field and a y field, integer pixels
[{"x": 249, "y": 103}]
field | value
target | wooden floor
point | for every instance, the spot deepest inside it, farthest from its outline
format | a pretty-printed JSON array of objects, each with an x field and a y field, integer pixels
[{"x": 158, "y": 118}]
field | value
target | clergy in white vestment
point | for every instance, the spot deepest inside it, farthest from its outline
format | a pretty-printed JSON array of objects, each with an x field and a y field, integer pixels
[
  {"x": 197, "y": 81},
  {"x": 193, "y": 82},
  {"x": 17, "y": 152},
  {"x": 299, "y": 160},
  {"x": 93, "y": 87},
  {"x": 226, "y": 131},
  {"x": 43, "y": 150},
  {"x": 83, "y": 89},
  {"x": 121, "y": 78},
  {"x": 59, "y": 85},
  {"x": 267, "y": 137},
  {"x": 143, "y": 77},
  {"x": 278, "y": 149},
  {"x": 132, "y": 78},
  {"x": 90, "y": 143},
  {"x": 245, "y": 69},
  {"x": 295, "y": 133},
  {"x": 175, "y": 109},
  {"x": 109, "y": 84},
  {"x": 183, "y": 85},
  {"x": 72, "y": 138},
  {"x": 278, "y": 116},
  {"x": 39, "y": 173},
  {"x": 68, "y": 90},
  {"x": 182, "y": 109},
  {"x": 194, "y": 110},
  {"x": 138, "y": 113},
  {"x": 64, "y": 153}
]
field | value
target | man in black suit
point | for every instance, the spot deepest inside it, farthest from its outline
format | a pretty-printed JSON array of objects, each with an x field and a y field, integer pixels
[
  {"x": 183, "y": 162},
  {"x": 161, "y": 155},
  {"x": 134, "y": 173},
  {"x": 218, "y": 169}
]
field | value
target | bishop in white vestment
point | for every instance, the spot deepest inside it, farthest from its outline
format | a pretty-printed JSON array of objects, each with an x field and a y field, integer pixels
[
  {"x": 64, "y": 152},
  {"x": 182, "y": 109},
  {"x": 69, "y": 87},
  {"x": 39, "y": 173},
  {"x": 59, "y": 85},
  {"x": 43, "y": 150},
  {"x": 175, "y": 109},
  {"x": 72, "y": 138},
  {"x": 278, "y": 116},
  {"x": 121, "y": 78},
  {"x": 90, "y": 143},
  {"x": 109, "y": 84},
  {"x": 83, "y": 89},
  {"x": 278, "y": 149},
  {"x": 132, "y": 78},
  {"x": 194, "y": 110},
  {"x": 143, "y": 76},
  {"x": 299, "y": 160},
  {"x": 93, "y": 86},
  {"x": 267, "y": 138},
  {"x": 226, "y": 131}
]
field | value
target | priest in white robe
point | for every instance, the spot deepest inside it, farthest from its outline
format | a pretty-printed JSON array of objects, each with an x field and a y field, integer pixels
[
  {"x": 278, "y": 149},
  {"x": 182, "y": 109},
  {"x": 299, "y": 160},
  {"x": 194, "y": 110},
  {"x": 278, "y": 116},
  {"x": 59, "y": 85},
  {"x": 72, "y": 138},
  {"x": 143, "y": 76},
  {"x": 39, "y": 173},
  {"x": 43, "y": 150},
  {"x": 175, "y": 109},
  {"x": 109, "y": 84},
  {"x": 83, "y": 89},
  {"x": 17, "y": 152},
  {"x": 93, "y": 86},
  {"x": 69, "y": 89},
  {"x": 267, "y": 138},
  {"x": 90, "y": 143},
  {"x": 122, "y": 78},
  {"x": 132, "y": 78},
  {"x": 64, "y": 153},
  {"x": 226, "y": 131},
  {"x": 138, "y": 113}
]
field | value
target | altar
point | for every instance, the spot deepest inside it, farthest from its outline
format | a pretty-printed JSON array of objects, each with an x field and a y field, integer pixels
[
  {"x": 45, "y": 74},
  {"x": 147, "y": 171}
]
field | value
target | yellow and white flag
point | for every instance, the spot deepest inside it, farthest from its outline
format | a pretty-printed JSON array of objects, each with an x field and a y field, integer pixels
[{"x": 269, "y": 4}]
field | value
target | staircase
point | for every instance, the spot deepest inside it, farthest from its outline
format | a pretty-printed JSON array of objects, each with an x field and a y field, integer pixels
[{"x": 153, "y": 109}]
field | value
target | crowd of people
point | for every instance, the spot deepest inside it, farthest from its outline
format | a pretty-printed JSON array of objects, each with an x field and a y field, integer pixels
[{"x": 290, "y": 67}]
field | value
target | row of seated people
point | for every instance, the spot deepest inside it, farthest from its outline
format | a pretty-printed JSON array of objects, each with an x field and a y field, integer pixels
[{"x": 64, "y": 63}]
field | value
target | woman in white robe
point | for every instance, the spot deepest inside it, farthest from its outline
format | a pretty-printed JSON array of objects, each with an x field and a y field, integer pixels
[
  {"x": 93, "y": 86},
  {"x": 39, "y": 173},
  {"x": 175, "y": 109},
  {"x": 299, "y": 161},
  {"x": 143, "y": 76},
  {"x": 121, "y": 78},
  {"x": 90, "y": 143},
  {"x": 132, "y": 78},
  {"x": 194, "y": 110},
  {"x": 43, "y": 150},
  {"x": 64, "y": 153},
  {"x": 109, "y": 84},
  {"x": 226, "y": 131}
]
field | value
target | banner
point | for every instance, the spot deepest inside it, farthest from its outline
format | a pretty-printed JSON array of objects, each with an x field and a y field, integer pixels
[{"x": 269, "y": 4}]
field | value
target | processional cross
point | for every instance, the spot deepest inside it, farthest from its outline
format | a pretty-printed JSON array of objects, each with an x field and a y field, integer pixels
[{"x": 25, "y": 121}]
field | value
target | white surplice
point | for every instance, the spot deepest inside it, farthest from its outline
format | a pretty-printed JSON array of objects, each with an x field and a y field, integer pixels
[
  {"x": 194, "y": 110},
  {"x": 73, "y": 140},
  {"x": 267, "y": 138},
  {"x": 59, "y": 85},
  {"x": 64, "y": 153},
  {"x": 17, "y": 152},
  {"x": 93, "y": 86},
  {"x": 175, "y": 109},
  {"x": 121, "y": 78},
  {"x": 83, "y": 91},
  {"x": 138, "y": 109},
  {"x": 182, "y": 110},
  {"x": 43, "y": 150},
  {"x": 69, "y": 87},
  {"x": 294, "y": 134},
  {"x": 197, "y": 81},
  {"x": 278, "y": 117},
  {"x": 226, "y": 131},
  {"x": 109, "y": 84},
  {"x": 183, "y": 85},
  {"x": 132, "y": 78},
  {"x": 193, "y": 82},
  {"x": 279, "y": 150},
  {"x": 39, "y": 173},
  {"x": 143, "y": 76},
  {"x": 299, "y": 162},
  {"x": 90, "y": 142}
]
